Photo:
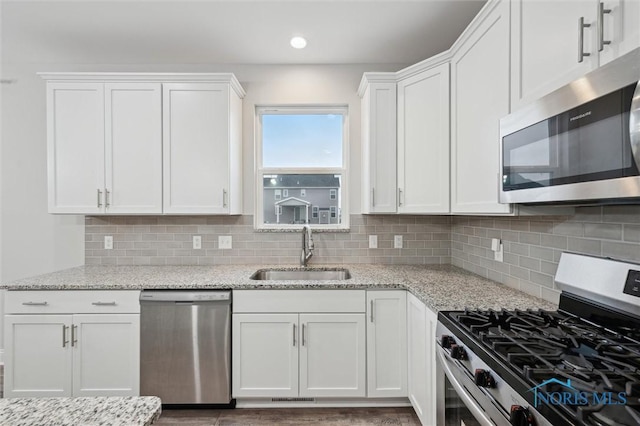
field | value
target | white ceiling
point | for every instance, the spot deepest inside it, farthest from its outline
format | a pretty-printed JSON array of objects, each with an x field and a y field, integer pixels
[{"x": 226, "y": 31}]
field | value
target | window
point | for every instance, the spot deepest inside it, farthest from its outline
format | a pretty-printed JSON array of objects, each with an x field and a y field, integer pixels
[{"x": 302, "y": 149}]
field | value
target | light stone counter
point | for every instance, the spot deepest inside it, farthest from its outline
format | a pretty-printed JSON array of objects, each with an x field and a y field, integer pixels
[
  {"x": 440, "y": 287},
  {"x": 86, "y": 411}
]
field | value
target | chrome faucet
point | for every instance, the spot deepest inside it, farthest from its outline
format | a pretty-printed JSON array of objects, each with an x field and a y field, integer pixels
[{"x": 307, "y": 246}]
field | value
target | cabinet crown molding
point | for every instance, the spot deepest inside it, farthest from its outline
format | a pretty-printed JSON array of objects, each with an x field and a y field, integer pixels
[
  {"x": 375, "y": 77},
  {"x": 229, "y": 78}
]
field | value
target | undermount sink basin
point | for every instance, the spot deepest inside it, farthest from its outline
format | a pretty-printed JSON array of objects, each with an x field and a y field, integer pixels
[{"x": 301, "y": 274}]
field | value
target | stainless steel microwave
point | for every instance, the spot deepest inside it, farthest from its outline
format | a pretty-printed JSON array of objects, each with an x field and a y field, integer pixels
[{"x": 578, "y": 145}]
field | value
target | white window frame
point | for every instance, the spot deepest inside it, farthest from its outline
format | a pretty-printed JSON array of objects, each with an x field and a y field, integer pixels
[
  {"x": 343, "y": 171},
  {"x": 333, "y": 212},
  {"x": 333, "y": 194},
  {"x": 303, "y": 192},
  {"x": 277, "y": 194},
  {"x": 315, "y": 212},
  {"x": 285, "y": 193}
]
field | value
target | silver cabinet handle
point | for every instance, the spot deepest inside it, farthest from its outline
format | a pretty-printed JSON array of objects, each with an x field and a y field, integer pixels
[
  {"x": 35, "y": 303},
  {"x": 103, "y": 303},
  {"x": 303, "y": 334},
  {"x": 601, "y": 12},
  {"x": 399, "y": 196},
  {"x": 106, "y": 198},
  {"x": 74, "y": 329},
  {"x": 99, "y": 198},
  {"x": 581, "y": 27},
  {"x": 373, "y": 197},
  {"x": 224, "y": 198},
  {"x": 372, "y": 311},
  {"x": 64, "y": 336},
  {"x": 294, "y": 334}
]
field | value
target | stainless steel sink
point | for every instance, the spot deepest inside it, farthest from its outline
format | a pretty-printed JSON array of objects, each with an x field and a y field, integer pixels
[{"x": 301, "y": 274}]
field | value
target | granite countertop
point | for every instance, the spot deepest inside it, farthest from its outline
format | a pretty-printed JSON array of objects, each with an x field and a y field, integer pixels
[
  {"x": 86, "y": 411},
  {"x": 441, "y": 287}
]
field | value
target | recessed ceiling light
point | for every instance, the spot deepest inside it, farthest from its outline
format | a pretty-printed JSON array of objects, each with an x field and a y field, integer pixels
[{"x": 298, "y": 42}]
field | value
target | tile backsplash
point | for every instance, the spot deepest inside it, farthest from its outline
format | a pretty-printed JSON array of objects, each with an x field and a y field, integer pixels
[
  {"x": 532, "y": 244},
  {"x": 167, "y": 240}
]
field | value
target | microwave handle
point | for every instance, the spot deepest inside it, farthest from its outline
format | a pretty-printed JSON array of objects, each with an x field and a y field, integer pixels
[
  {"x": 634, "y": 125},
  {"x": 468, "y": 400}
]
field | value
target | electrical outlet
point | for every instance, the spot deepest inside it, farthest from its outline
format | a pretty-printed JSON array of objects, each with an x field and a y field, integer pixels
[
  {"x": 197, "y": 242},
  {"x": 108, "y": 242},
  {"x": 373, "y": 241},
  {"x": 225, "y": 242},
  {"x": 397, "y": 241},
  {"x": 498, "y": 255}
]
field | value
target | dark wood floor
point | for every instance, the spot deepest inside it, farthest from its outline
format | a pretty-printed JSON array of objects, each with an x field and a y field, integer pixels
[{"x": 290, "y": 416}]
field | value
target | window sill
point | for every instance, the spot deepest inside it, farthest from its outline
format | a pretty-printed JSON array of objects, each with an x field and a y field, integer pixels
[{"x": 298, "y": 229}]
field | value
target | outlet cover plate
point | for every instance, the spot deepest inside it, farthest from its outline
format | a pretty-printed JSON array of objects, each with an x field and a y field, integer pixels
[
  {"x": 197, "y": 242},
  {"x": 108, "y": 242},
  {"x": 397, "y": 241},
  {"x": 373, "y": 241},
  {"x": 225, "y": 242}
]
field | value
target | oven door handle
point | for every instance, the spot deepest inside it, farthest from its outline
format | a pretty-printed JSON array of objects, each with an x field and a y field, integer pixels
[{"x": 469, "y": 402}]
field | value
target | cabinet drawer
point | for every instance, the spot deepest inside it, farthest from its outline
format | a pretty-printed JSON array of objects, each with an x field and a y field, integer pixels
[
  {"x": 256, "y": 301},
  {"x": 72, "y": 301}
]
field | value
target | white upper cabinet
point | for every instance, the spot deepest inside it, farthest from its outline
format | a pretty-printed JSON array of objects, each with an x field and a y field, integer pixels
[
  {"x": 546, "y": 41},
  {"x": 423, "y": 142},
  {"x": 133, "y": 148},
  {"x": 202, "y": 149},
  {"x": 479, "y": 98},
  {"x": 378, "y": 143},
  {"x": 620, "y": 28},
  {"x": 144, "y": 143},
  {"x": 75, "y": 147}
]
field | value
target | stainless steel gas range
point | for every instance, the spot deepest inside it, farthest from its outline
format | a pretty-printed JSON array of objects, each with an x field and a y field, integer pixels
[{"x": 579, "y": 365}]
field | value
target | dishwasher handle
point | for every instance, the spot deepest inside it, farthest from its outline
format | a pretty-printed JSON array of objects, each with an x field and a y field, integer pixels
[{"x": 186, "y": 296}]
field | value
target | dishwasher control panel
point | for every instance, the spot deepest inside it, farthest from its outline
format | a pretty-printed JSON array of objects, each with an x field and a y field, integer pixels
[{"x": 185, "y": 295}]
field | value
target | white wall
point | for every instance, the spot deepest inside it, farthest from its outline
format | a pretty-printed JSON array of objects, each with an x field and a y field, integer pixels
[{"x": 34, "y": 242}]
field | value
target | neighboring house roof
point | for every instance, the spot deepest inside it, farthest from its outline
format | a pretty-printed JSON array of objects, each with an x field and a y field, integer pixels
[
  {"x": 292, "y": 201},
  {"x": 302, "y": 181}
]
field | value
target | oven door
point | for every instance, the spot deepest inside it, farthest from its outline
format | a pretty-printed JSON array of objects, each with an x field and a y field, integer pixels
[{"x": 459, "y": 401}]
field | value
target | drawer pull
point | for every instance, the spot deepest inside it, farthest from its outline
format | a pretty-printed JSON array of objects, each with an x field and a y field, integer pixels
[
  {"x": 103, "y": 303},
  {"x": 35, "y": 303}
]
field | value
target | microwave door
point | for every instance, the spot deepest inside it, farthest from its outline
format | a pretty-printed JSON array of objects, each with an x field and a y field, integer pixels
[{"x": 634, "y": 128}]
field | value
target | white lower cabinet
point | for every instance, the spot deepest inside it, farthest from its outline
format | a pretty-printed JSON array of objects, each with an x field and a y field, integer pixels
[
  {"x": 332, "y": 355},
  {"x": 265, "y": 355},
  {"x": 298, "y": 343},
  {"x": 51, "y": 351},
  {"x": 291, "y": 355},
  {"x": 421, "y": 324},
  {"x": 386, "y": 343}
]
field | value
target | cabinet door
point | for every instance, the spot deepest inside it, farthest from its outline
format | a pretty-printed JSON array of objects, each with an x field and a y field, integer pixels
[
  {"x": 544, "y": 49},
  {"x": 38, "y": 358},
  {"x": 75, "y": 147},
  {"x": 106, "y": 355},
  {"x": 387, "y": 343},
  {"x": 133, "y": 127},
  {"x": 332, "y": 355},
  {"x": 423, "y": 142},
  {"x": 431, "y": 320},
  {"x": 417, "y": 359},
  {"x": 620, "y": 28},
  {"x": 265, "y": 355},
  {"x": 379, "y": 148},
  {"x": 480, "y": 97},
  {"x": 196, "y": 147}
]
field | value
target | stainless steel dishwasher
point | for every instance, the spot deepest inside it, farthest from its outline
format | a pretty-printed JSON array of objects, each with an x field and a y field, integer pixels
[{"x": 185, "y": 346}]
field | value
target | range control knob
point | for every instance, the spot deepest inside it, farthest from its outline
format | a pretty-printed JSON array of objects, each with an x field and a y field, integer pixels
[
  {"x": 458, "y": 352},
  {"x": 520, "y": 416},
  {"x": 484, "y": 379},
  {"x": 446, "y": 341}
]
